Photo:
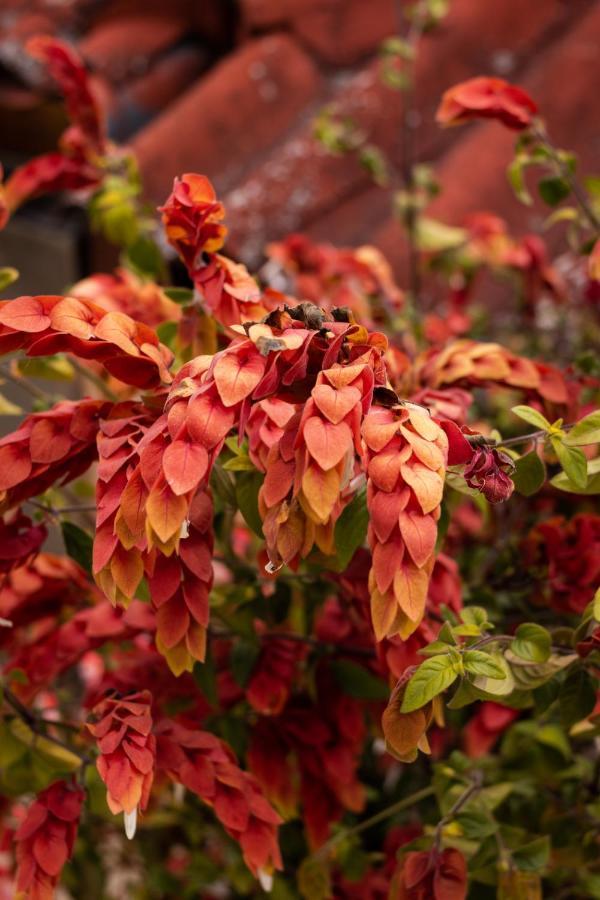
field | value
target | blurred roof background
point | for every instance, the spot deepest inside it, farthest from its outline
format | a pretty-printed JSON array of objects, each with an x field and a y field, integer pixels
[{"x": 231, "y": 89}]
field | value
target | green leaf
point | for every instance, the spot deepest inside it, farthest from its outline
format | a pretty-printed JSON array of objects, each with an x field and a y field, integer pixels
[
  {"x": 532, "y": 416},
  {"x": 479, "y": 663},
  {"x": 243, "y": 659},
  {"x": 476, "y": 825},
  {"x": 516, "y": 177},
  {"x": 222, "y": 485},
  {"x": 577, "y": 698},
  {"x": 553, "y": 189},
  {"x": 532, "y": 642},
  {"x": 596, "y": 606},
  {"x": 434, "y": 649},
  {"x": 180, "y": 294},
  {"x": 586, "y": 431},
  {"x": 8, "y": 276},
  {"x": 431, "y": 678},
  {"x": 533, "y": 856},
  {"x": 78, "y": 544},
  {"x": 247, "y": 486},
  {"x": 53, "y": 368},
  {"x": 564, "y": 483},
  {"x": 529, "y": 474},
  {"x": 240, "y": 463},
  {"x": 464, "y": 694},
  {"x": 573, "y": 462},
  {"x": 475, "y": 615},
  {"x": 314, "y": 880},
  {"x": 351, "y": 529},
  {"x": 436, "y": 237},
  {"x": 487, "y": 687},
  {"x": 145, "y": 257},
  {"x": 358, "y": 682},
  {"x": 167, "y": 332}
]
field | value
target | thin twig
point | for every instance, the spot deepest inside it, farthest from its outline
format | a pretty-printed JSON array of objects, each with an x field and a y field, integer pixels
[
  {"x": 32, "y": 389},
  {"x": 381, "y": 816},
  {"x": 33, "y": 723},
  {"x": 474, "y": 787},
  {"x": 301, "y": 639},
  {"x": 60, "y": 510},
  {"x": 94, "y": 379}
]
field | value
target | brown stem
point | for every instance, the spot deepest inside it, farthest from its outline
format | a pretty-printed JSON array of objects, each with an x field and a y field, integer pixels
[
  {"x": 301, "y": 639},
  {"x": 60, "y": 510},
  {"x": 32, "y": 389},
  {"x": 408, "y": 151},
  {"x": 473, "y": 788}
]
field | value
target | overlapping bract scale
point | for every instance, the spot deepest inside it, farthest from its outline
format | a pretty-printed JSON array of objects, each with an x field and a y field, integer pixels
[{"x": 406, "y": 460}]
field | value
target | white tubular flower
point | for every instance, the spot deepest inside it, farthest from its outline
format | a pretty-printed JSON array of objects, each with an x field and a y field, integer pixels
[
  {"x": 130, "y": 821},
  {"x": 266, "y": 880}
]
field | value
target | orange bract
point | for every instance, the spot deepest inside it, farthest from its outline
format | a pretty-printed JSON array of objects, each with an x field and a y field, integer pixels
[{"x": 486, "y": 98}]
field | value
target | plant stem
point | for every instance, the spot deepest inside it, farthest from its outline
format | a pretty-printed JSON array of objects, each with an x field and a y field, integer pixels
[
  {"x": 32, "y": 722},
  {"x": 565, "y": 173},
  {"x": 407, "y": 149},
  {"x": 94, "y": 379},
  {"x": 60, "y": 510},
  {"x": 519, "y": 439},
  {"x": 32, "y": 389},
  {"x": 381, "y": 816},
  {"x": 473, "y": 788},
  {"x": 301, "y": 639}
]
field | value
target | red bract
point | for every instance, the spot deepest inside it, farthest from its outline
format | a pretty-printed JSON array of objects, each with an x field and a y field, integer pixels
[
  {"x": 44, "y": 660},
  {"x": 471, "y": 363},
  {"x": 358, "y": 278},
  {"x": 431, "y": 875},
  {"x": 37, "y": 591},
  {"x": 124, "y": 292},
  {"x": 407, "y": 454},
  {"x": 314, "y": 462},
  {"x": 20, "y": 540},
  {"x": 206, "y": 766},
  {"x": 272, "y": 679},
  {"x": 486, "y": 98},
  {"x": 66, "y": 68},
  {"x": 58, "y": 444},
  {"x": 406, "y": 733},
  {"x": 570, "y": 553},
  {"x": 192, "y": 218},
  {"x": 141, "y": 523},
  {"x": 122, "y": 727},
  {"x": 487, "y": 724},
  {"x": 309, "y": 756},
  {"x": 487, "y": 472},
  {"x": 44, "y": 840},
  {"x": 77, "y": 164},
  {"x": 127, "y": 349}
]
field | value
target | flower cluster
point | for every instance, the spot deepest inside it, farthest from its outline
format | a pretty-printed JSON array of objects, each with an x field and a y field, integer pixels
[
  {"x": 407, "y": 454},
  {"x": 206, "y": 766},
  {"x": 128, "y": 350},
  {"x": 359, "y": 279},
  {"x": 58, "y": 444},
  {"x": 122, "y": 728},
  {"x": 77, "y": 163},
  {"x": 45, "y": 839},
  {"x": 488, "y": 472}
]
